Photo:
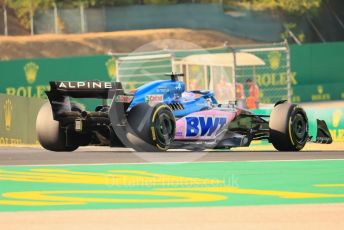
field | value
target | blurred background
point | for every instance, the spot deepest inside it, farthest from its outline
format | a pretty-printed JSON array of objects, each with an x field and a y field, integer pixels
[
  {"x": 258, "y": 20},
  {"x": 296, "y": 51}
]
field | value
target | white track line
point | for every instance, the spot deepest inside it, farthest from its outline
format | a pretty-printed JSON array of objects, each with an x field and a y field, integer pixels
[{"x": 167, "y": 163}]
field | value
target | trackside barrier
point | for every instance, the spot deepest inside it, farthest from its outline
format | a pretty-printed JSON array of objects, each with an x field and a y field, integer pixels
[
  {"x": 334, "y": 118},
  {"x": 18, "y": 120},
  {"x": 317, "y": 72},
  {"x": 30, "y": 77}
]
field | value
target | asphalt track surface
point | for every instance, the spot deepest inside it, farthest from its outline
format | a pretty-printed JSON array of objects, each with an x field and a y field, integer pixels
[
  {"x": 105, "y": 155},
  {"x": 202, "y": 215}
]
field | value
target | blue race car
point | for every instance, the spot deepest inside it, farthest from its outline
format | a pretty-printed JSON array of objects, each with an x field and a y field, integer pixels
[{"x": 161, "y": 115}]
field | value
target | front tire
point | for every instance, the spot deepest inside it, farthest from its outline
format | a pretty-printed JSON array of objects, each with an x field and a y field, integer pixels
[
  {"x": 288, "y": 127},
  {"x": 49, "y": 133}
]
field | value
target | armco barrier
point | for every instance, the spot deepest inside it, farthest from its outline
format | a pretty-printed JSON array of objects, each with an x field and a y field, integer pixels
[
  {"x": 18, "y": 119},
  {"x": 334, "y": 118}
]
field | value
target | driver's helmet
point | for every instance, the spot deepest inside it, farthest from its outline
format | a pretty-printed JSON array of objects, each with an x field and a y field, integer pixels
[{"x": 188, "y": 96}]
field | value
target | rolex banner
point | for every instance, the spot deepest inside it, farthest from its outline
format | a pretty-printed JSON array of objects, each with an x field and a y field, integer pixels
[
  {"x": 18, "y": 119},
  {"x": 317, "y": 72},
  {"x": 30, "y": 77}
]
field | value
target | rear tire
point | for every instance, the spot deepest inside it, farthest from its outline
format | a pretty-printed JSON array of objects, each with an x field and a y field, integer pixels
[
  {"x": 155, "y": 125},
  {"x": 288, "y": 127},
  {"x": 49, "y": 133}
]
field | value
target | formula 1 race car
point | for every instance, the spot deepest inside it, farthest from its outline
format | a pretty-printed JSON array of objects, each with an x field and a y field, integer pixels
[{"x": 161, "y": 115}]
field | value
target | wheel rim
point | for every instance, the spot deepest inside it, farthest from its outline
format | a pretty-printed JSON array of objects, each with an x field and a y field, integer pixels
[
  {"x": 299, "y": 127},
  {"x": 164, "y": 129}
]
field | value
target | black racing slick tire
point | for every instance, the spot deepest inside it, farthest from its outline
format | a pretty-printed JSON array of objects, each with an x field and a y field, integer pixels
[
  {"x": 288, "y": 126},
  {"x": 154, "y": 124},
  {"x": 49, "y": 133}
]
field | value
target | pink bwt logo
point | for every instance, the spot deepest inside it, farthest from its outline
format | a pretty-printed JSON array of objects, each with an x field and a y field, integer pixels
[{"x": 203, "y": 124}]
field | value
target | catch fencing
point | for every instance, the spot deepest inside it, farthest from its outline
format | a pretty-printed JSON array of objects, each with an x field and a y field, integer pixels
[
  {"x": 260, "y": 26},
  {"x": 273, "y": 75},
  {"x": 216, "y": 69}
]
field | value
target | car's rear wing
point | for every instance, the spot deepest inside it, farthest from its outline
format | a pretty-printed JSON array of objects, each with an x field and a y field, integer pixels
[
  {"x": 84, "y": 89},
  {"x": 60, "y": 91}
]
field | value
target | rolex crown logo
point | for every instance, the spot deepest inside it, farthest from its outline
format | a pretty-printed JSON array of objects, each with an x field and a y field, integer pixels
[
  {"x": 320, "y": 89},
  {"x": 31, "y": 70},
  {"x": 8, "y": 114},
  {"x": 274, "y": 59},
  {"x": 336, "y": 117},
  {"x": 111, "y": 67}
]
